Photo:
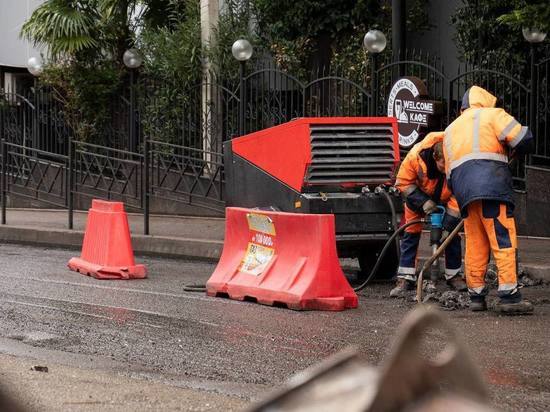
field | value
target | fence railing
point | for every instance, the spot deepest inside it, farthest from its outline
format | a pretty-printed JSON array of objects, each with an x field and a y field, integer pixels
[
  {"x": 33, "y": 174},
  {"x": 179, "y": 133},
  {"x": 164, "y": 171}
]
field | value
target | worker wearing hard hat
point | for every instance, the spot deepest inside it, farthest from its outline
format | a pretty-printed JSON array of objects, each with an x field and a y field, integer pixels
[
  {"x": 477, "y": 146},
  {"x": 421, "y": 180}
]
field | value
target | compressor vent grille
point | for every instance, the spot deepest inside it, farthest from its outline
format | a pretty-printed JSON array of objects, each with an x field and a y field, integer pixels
[{"x": 359, "y": 153}]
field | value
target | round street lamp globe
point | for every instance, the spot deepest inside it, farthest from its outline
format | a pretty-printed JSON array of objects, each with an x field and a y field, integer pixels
[
  {"x": 34, "y": 66},
  {"x": 533, "y": 35},
  {"x": 242, "y": 50},
  {"x": 374, "y": 41},
  {"x": 132, "y": 59}
]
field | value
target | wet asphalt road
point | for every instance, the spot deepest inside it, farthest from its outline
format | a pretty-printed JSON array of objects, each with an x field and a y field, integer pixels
[{"x": 152, "y": 328}]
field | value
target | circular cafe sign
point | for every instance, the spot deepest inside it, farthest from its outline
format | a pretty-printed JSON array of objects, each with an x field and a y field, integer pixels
[{"x": 414, "y": 113}]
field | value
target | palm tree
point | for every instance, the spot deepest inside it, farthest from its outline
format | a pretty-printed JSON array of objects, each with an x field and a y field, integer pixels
[
  {"x": 73, "y": 28},
  {"x": 65, "y": 27}
]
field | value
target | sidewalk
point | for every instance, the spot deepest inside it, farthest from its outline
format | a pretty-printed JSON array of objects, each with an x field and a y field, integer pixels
[
  {"x": 182, "y": 236},
  {"x": 177, "y": 236}
]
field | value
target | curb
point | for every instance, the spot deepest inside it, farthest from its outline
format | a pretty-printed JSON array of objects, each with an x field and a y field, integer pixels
[
  {"x": 142, "y": 244},
  {"x": 165, "y": 246}
]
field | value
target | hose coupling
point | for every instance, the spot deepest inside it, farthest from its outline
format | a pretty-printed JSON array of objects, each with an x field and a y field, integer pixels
[{"x": 394, "y": 191}]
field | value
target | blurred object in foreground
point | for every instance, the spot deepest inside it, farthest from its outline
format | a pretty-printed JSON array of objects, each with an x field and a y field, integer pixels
[
  {"x": 8, "y": 404},
  {"x": 407, "y": 381}
]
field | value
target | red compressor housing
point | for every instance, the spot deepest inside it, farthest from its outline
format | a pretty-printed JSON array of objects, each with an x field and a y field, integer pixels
[{"x": 336, "y": 165}]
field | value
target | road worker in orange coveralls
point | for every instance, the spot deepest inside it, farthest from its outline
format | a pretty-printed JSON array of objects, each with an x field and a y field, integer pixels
[
  {"x": 477, "y": 147},
  {"x": 421, "y": 180}
]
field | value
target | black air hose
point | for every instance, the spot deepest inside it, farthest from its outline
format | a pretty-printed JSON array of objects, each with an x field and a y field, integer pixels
[
  {"x": 394, "y": 221},
  {"x": 383, "y": 252},
  {"x": 195, "y": 288}
]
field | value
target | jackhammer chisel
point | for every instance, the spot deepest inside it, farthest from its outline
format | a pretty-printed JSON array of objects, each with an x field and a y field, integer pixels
[
  {"x": 434, "y": 256},
  {"x": 436, "y": 231}
]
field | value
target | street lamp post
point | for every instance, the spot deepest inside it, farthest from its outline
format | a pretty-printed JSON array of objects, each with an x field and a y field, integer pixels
[
  {"x": 533, "y": 36},
  {"x": 35, "y": 67},
  {"x": 242, "y": 51},
  {"x": 132, "y": 60},
  {"x": 374, "y": 43}
]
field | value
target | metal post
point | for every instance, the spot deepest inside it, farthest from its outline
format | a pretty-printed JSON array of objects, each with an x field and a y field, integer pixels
[
  {"x": 34, "y": 118},
  {"x": 374, "y": 86},
  {"x": 532, "y": 100},
  {"x": 399, "y": 31},
  {"x": 2, "y": 94},
  {"x": 147, "y": 162},
  {"x": 241, "y": 98},
  {"x": 132, "y": 132},
  {"x": 70, "y": 183},
  {"x": 4, "y": 172}
]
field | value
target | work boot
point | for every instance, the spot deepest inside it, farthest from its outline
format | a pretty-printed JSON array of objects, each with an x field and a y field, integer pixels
[
  {"x": 520, "y": 308},
  {"x": 402, "y": 288},
  {"x": 513, "y": 305},
  {"x": 477, "y": 303},
  {"x": 457, "y": 283}
]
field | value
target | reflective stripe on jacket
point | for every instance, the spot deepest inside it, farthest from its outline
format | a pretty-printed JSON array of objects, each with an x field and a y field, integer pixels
[
  {"x": 476, "y": 147},
  {"x": 417, "y": 180}
]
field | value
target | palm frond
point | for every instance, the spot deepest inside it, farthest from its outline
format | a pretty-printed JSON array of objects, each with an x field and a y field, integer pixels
[{"x": 61, "y": 25}]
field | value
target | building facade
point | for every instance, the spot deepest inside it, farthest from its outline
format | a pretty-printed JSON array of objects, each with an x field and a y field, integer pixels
[{"x": 14, "y": 51}]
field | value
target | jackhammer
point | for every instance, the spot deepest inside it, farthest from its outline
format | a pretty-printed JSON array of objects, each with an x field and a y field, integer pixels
[
  {"x": 435, "y": 220},
  {"x": 435, "y": 256},
  {"x": 436, "y": 232}
]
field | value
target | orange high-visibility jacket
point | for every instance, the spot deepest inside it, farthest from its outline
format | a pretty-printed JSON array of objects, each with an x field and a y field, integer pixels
[
  {"x": 418, "y": 175},
  {"x": 476, "y": 148}
]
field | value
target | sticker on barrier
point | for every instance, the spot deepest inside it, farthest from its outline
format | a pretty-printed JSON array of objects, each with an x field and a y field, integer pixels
[
  {"x": 256, "y": 259},
  {"x": 260, "y": 249},
  {"x": 282, "y": 259}
]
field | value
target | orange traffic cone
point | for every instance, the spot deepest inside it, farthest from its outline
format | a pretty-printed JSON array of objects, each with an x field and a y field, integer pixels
[{"x": 107, "y": 249}]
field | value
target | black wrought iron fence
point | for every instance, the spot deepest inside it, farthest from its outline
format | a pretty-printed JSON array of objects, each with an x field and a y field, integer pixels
[
  {"x": 107, "y": 173},
  {"x": 187, "y": 175},
  {"x": 33, "y": 174},
  {"x": 35, "y": 120},
  {"x": 184, "y": 128},
  {"x": 198, "y": 117},
  {"x": 542, "y": 113},
  {"x": 271, "y": 97}
]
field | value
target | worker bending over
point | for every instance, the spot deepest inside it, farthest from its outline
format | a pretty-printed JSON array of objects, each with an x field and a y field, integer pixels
[
  {"x": 421, "y": 180},
  {"x": 477, "y": 146}
]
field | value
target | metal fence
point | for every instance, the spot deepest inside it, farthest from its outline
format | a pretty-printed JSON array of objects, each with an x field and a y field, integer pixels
[
  {"x": 541, "y": 128},
  {"x": 35, "y": 119},
  {"x": 165, "y": 142}
]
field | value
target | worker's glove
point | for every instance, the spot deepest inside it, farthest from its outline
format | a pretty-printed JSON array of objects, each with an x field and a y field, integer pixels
[
  {"x": 444, "y": 235},
  {"x": 429, "y": 206}
]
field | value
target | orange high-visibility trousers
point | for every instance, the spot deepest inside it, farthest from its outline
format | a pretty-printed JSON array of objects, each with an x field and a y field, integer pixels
[{"x": 490, "y": 227}]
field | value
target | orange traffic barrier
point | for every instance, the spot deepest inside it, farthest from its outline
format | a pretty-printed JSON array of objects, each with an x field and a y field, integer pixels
[
  {"x": 281, "y": 259},
  {"x": 107, "y": 248}
]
